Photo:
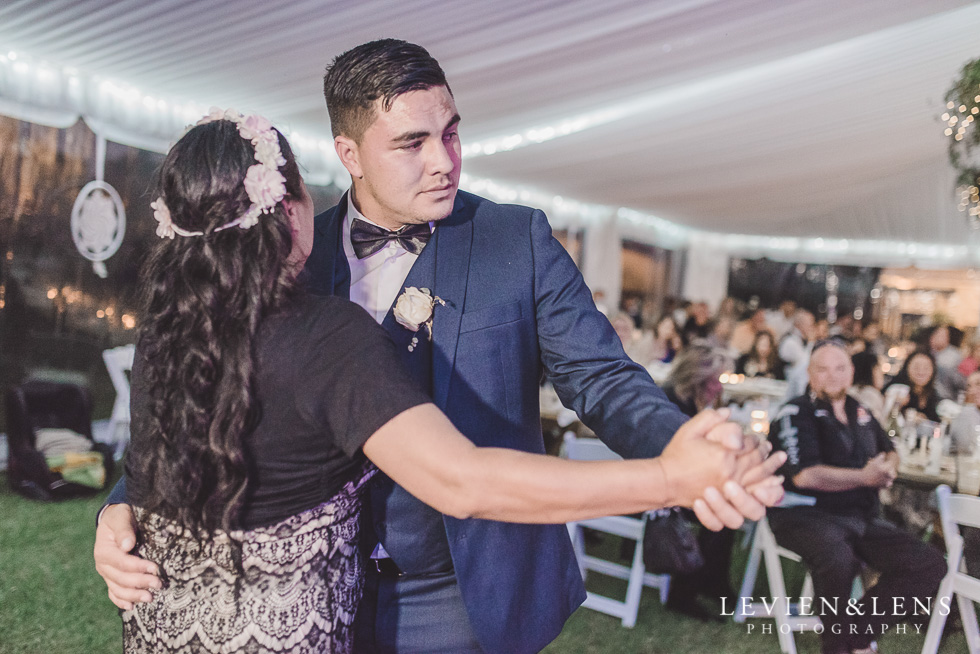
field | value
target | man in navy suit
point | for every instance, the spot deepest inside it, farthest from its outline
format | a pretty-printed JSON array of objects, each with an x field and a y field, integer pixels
[{"x": 514, "y": 309}]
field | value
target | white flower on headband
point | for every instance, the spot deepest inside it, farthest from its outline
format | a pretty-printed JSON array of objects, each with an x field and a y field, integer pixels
[
  {"x": 264, "y": 184},
  {"x": 266, "y": 187},
  {"x": 165, "y": 228}
]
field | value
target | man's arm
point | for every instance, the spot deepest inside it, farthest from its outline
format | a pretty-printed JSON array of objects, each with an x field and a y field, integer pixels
[
  {"x": 585, "y": 361},
  {"x": 127, "y": 577},
  {"x": 879, "y": 472}
]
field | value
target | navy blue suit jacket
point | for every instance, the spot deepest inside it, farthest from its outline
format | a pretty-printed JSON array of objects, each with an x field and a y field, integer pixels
[{"x": 517, "y": 309}]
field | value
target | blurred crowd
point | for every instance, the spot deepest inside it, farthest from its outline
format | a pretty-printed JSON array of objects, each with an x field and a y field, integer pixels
[{"x": 936, "y": 362}]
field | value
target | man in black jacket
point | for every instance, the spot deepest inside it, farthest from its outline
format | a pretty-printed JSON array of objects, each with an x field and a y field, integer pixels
[{"x": 838, "y": 453}]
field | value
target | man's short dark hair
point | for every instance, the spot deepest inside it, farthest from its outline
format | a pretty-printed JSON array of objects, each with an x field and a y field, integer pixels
[{"x": 377, "y": 70}]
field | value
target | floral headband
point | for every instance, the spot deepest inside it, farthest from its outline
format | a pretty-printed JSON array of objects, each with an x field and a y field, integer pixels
[{"x": 264, "y": 184}]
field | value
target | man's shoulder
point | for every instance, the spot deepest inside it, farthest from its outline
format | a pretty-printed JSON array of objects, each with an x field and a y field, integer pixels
[
  {"x": 801, "y": 405},
  {"x": 481, "y": 208}
]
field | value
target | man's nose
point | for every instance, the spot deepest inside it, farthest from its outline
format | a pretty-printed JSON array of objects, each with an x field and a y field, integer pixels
[{"x": 442, "y": 158}]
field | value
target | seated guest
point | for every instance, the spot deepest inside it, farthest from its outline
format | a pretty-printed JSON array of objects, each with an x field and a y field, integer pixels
[
  {"x": 780, "y": 320},
  {"x": 840, "y": 455},
  {"x": 868, "y": 382},
  {"x": 762, "y": 359},
  {"x": 667, "y": 341},
  {"x": 694, "y": 385},
  {"x": 745, "y": 332},
  {"x": 965, "y": 428},
  {"x": 698, "y": 324},
  {"x": 919, "y": 374},
  {"x": 794, "y": 350},
  {"x": 971, "y": 362},
  {"x": 874, "y": 342},
  {"x": 947, "y": 357},
  {"x": 637, "y": 345}
]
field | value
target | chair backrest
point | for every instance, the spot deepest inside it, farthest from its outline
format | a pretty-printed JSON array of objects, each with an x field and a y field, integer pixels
[
  {"x": 956, "y": 510},
  {"x": 587, "y": 449},
  {"x": 119, "y": 361}
]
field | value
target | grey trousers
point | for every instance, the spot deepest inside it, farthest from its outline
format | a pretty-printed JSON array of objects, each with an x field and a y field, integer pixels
[{"x": 413, "y": 614}]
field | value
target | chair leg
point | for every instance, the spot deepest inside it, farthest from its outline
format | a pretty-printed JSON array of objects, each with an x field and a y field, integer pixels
[
  {"x": 968, "y": 615},
  {"x": 777, "y": 586},
  {"x": 751, "y": 573},
  {"x": 938, "y": 620},
  {"x": 634, "y": 587}
]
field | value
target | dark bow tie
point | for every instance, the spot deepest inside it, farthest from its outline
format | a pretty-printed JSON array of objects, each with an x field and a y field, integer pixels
[{"x": 368, "y": 239}]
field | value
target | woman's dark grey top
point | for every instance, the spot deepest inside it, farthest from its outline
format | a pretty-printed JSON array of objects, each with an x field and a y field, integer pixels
[{"x": 328, "y": 377}]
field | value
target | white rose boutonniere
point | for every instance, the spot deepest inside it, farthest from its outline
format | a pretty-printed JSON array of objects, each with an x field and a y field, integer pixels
[{"x": 414, "y": 308}]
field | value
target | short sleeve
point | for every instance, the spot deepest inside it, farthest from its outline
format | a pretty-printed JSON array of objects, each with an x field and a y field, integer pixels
[
  {"x": 796, "y": 435},
  {"x": 364, "y": 384}
]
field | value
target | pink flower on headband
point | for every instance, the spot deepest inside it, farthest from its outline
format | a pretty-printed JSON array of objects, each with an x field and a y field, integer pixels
[
  {"x": 255, "y": 127},
  {"x": 266, "y": 187}
]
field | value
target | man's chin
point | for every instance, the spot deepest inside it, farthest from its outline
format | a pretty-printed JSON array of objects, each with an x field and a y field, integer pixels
[{"x": 834, "y": 396}]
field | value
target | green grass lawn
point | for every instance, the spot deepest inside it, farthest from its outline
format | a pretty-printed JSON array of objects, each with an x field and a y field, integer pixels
[{"x": 52, "y": 600}]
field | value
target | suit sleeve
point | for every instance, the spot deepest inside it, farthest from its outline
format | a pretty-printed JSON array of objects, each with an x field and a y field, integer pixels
[{"x": 584, "y": 359}]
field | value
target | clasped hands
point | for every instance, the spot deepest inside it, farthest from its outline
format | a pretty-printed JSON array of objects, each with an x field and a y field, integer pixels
[
  {"x": 723, "y": 475},
  {"x": 709, "y": 466}
]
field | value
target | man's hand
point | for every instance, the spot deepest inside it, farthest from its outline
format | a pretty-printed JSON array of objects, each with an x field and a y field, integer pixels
[
  {"x": 750, "y": 488},
  {"x": 699, "y": 456},
  {"x": 128, "y": 577},
  {"x": 879, "y": 472}
]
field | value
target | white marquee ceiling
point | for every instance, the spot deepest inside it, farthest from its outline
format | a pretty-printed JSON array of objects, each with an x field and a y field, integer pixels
[{"x": 789, "y": 118}]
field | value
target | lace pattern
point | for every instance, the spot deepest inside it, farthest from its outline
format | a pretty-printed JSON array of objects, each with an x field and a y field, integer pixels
[{"x": 301, "y": 581}]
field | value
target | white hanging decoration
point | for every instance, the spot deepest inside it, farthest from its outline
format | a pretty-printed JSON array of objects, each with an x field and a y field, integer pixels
[
  {"x": 98, "y": 217},
  {"x": 98, "y": 224}
]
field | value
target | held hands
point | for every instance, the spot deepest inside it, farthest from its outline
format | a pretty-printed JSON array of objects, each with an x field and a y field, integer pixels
[
  {"x": 128, "y": 577},
  {"x": 879, "y": 472},
  {"x": 722, "y": 475}
]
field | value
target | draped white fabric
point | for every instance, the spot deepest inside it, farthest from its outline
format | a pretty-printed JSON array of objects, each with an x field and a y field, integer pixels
[
  {"x": 706, "y": 275},
  {"x": 602, "y": 262},
  {"x": 794, "y": 119}
]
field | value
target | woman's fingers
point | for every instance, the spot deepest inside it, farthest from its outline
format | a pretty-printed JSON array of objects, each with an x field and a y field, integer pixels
[
  {"x": 746, "y": 504},
  {"x": 706, "y": 516},
  {"x": 725, "y": 512}
]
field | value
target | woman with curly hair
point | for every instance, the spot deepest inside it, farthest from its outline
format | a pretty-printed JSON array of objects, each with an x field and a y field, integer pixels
[{"x": 256, "y": 408}]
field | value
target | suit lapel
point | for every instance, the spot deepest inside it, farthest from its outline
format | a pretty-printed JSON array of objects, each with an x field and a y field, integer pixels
[
  {"x": 453, "y": 241},
  {"x": 327, "y": 268}
]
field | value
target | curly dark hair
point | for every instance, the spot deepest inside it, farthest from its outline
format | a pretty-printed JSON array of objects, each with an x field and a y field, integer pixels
[{"x": 202, "y": 300}]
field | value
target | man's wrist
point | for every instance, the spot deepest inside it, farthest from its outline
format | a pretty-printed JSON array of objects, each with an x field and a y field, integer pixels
[{"x": 98, "y": 516}]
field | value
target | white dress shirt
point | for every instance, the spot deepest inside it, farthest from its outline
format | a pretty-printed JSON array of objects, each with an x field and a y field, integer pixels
[{"x": 375, "y": 280}]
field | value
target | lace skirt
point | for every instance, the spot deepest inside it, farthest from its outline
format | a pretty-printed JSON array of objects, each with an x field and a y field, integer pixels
[{"x": 296, "y": 588}]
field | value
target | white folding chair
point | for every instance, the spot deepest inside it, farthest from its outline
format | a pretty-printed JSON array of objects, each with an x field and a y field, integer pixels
[
  {"x": 955, "y": 510},
  {"x": 765, "y": 549},
  {"x": 591, "y": 449},
  {"x": 119, "y": 361}
]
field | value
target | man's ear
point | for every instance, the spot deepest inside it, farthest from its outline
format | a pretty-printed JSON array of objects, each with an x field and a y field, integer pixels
[{"x": 349, "y": 155}]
